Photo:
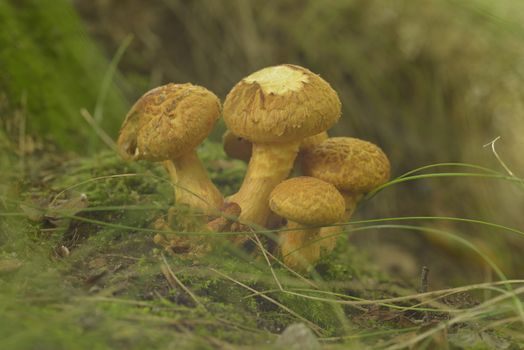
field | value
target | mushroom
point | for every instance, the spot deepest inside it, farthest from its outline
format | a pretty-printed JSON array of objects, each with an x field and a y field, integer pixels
[
  {"x": 239, "y": 148},
  {"x": 275, "y": 108},
  {"x": 308, "y": 204},
  {"x": 167, "y": 124},
  {"x": 354, "y": 166}
]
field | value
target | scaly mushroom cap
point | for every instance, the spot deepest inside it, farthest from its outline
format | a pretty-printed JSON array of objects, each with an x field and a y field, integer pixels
[
  {"x": 281, "y": 104},
  {"x": 236, "y": 147},
  {"x": 308, "y": 201},
  {"x": 350, "y": 164},
  {"x": 167, "y": 122}
]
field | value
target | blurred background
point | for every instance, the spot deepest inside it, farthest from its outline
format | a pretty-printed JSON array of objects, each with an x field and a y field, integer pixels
[{"x": 429, "y": 81}]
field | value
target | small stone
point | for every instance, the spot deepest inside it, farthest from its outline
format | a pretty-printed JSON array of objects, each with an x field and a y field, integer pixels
[
  {"x": 298, "y": 337},
  {"x": 62, "y": 251}
]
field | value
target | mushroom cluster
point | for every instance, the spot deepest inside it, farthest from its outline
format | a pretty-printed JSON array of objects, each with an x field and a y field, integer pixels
[
  {"x": 277, "y": 120},
  {"x": 167, "y": 124}
]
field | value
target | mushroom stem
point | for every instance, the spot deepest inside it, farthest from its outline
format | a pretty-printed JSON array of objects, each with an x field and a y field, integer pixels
[
  {"x": 193, "y": 186},
  {"x": 171, "y": 170},
  {"x": 328, "y": 235},
  {"x": 269, "y": 165},
  {"x": 297, "y": 246},
  {"x": 351, "y": 200}
]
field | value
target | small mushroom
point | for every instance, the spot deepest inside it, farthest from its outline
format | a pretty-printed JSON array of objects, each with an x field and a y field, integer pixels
[
  {"x": 308, "y": 204},
  {"x": 354, "y": 166},
  {"x": 275, "y": 108},
  {"x": 167, "y": 124}
]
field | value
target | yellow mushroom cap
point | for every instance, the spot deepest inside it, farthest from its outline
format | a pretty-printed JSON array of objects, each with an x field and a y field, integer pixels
[
  {"x": 281, "y": 104},
  {"x": 236, "y": 147},
  {"x": 168, "y": 121},
  {"x": 307, "y": 201},
  {"x": 348, "y": 163}
]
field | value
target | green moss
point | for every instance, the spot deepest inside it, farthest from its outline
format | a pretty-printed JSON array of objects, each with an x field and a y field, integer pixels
[
  {"x": 117, "y": 258},
  {"x": 112, "y": 290},
  {"x": 51, "y": 69}
]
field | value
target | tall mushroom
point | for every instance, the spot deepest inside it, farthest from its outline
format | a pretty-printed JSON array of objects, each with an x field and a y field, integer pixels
[
  {"x": 354, "y": 166},
  {"x": 167, "y": 124},
  {"x": 275, "y": 108},
  {"x": 307, "y": 203}
]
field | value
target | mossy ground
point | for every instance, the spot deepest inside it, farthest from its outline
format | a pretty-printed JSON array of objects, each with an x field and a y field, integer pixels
[
  {"x": 111, "y": 289},
  {"x": 79, "y": 269}
]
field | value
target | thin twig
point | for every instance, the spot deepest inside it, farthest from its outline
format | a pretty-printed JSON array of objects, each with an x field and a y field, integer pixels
[
  {"x": 470, "y": 314},
  {"x": 98, "y": 130},
  {"x": 172, "y": 279},
  {"x": 418, "y": 296},
  {"x": 281, "y": 263},
  {"x": 316, "y": 328},
  {"x": 263, "y": 249},
  {"x": 424, "y": 286}
]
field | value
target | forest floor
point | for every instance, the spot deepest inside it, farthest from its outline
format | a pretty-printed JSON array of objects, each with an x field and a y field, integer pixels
[{"x": 79, "y": 269}]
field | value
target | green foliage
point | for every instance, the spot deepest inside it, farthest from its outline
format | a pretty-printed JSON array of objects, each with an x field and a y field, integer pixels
[
  {"x": 116, "y": 288},
  {"x": 111, "y": 290},
  {"x": 50, "y": 69}
]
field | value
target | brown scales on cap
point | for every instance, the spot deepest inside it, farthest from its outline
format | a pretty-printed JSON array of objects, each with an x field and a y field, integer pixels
[
  {"x": 276, "y": 108},
  {"x": 307, "y": 203},
  {"x": 354, "y": 166},
  {"x": 281, "y": 104},
  {"x": 166, "y": 124}
]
